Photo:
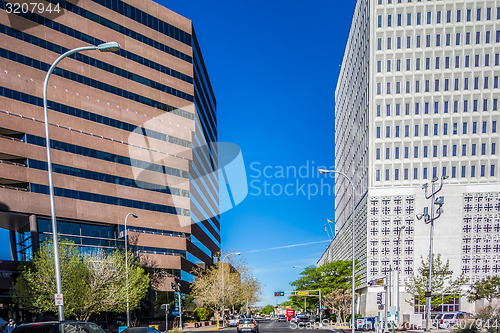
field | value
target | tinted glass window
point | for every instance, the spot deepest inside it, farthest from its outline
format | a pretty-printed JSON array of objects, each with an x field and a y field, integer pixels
[{"x": 246, "y": 321}]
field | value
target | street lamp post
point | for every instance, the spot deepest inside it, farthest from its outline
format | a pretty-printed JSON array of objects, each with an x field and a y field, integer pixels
[
  {"x": 430, "y": 219},
  {"x": 105, "y": 47},
  {"x": 223, "y": 290},
  {"x": 397, "y": 273},
  {"x": 353, "y": 219},
  {"x": 126, "y": 264},
  {"x": 305, "y": 304}
]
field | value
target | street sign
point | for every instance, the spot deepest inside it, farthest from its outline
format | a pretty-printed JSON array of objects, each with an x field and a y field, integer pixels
[
  {"x": 302, "y": 293},
  {"x": 175, "y": 313},
  {"x": 380, "y": 281},
  {"x": 58, "y": 299},
  {"x": 428, "y": 294}
]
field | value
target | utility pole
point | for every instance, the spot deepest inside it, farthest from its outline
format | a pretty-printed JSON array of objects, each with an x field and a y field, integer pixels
[{"x": 434, "y": 215}]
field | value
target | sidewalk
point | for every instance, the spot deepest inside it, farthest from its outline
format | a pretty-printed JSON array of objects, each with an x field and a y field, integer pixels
[
  {"x": 203, "y": 328},
  {"x": 436, "y": 330}
]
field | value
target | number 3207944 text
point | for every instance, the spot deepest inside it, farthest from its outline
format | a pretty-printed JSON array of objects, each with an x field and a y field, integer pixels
[{"x": 31, "y": 7}]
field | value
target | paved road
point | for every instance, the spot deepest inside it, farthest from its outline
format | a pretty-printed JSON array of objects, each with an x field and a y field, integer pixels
[{"x": 273, "y": 326}]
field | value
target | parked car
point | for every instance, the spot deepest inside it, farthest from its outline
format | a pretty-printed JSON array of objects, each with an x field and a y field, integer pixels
[
  {"x": 436, "y": 318},
  {"x": 366, "y": 323},
  {"x": 450, "y": 319},
  {"x": 281, "y": 318},
  {"x": 247, "y": 325},
  {"x": 267, "y": 318},
  {"x": 59, "y": 327}
]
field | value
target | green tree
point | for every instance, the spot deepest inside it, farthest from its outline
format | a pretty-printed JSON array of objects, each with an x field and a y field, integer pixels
[
  {"x": 202, "y": 314},
  {"x": 91, "y": 284},
  {"x": 239, "y": 289},
  {"x": 487, "y": 288},
  {"x": 444, "y": 287},
  {"x": 268, "y": 309},
  {"x": 327, "y": 277}
]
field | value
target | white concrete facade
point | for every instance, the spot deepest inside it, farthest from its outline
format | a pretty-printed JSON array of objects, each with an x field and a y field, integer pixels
[{"x": 417, "y": 98}]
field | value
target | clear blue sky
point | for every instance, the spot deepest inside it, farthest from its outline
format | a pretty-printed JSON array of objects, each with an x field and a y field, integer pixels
[{"x": 274, "y": 66}]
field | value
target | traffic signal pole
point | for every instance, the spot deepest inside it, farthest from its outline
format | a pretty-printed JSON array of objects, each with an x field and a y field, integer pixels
[{"x": 320, "y": 309}]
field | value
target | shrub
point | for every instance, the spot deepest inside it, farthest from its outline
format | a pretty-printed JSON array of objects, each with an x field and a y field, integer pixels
[{"x": 202, "y": 314}]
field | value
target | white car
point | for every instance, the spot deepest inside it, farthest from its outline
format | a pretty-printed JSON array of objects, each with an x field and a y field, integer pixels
[{"x": 450, "y": 319}]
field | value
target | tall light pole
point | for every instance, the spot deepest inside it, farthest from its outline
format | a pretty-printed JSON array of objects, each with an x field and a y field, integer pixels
[
  {"x": 430, "y": 219},
  {"x": 353, "y": 219},
  {"x": 397, "y": 273},
  {"x": 305, "y": 298},
  {"x": 126, "y": 264},
  {"x": 105, "y": 47},
  {"x": 223, "y": 290}
]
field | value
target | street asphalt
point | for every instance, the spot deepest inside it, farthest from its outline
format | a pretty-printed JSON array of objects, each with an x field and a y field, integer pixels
[{"x": 274, "y": 326}]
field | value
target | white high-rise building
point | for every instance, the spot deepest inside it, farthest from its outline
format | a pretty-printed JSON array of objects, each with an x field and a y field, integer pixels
[{"x": 417, "y": 98}]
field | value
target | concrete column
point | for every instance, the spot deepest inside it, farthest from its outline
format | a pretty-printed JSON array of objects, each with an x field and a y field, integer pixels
[
  {"x": 35, "y": 244},
  {"x": 13, "y": 245}
]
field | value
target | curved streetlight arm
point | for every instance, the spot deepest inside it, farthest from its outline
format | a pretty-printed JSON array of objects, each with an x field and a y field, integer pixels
[
  {"x": 223, "y": 289},
  {"x": 353, "y": 218},
  {"x": 105, "y": 47}
]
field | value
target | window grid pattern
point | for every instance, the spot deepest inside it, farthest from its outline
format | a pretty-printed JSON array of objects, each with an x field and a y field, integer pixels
[
  {"x": 386, "y": 215},
  {"x": 480, "y": 255},
  {"x": 449, "y": 68}
]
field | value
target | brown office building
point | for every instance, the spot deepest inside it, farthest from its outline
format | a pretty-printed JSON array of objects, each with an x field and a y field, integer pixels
[{"x": 130, "y": 133}]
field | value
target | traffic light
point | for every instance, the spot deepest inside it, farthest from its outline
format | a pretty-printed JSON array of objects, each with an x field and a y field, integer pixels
[
  {"x": 379, "y": 298},
  {"x": 322, "y": 305},
  {"x": 279, "y": 293}
]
